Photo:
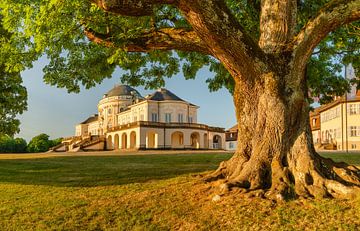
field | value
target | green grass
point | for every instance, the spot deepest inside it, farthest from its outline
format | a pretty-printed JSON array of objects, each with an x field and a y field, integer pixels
[
  {"x": 148, "y": 192},
  {"x": 350, "y": 158}
]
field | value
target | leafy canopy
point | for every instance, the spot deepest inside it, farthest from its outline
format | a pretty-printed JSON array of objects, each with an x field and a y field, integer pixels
[{"x": 56, "y": 28}]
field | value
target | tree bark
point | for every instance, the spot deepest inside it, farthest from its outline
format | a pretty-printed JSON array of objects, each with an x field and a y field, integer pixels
[{"x": 275, "y": 156}]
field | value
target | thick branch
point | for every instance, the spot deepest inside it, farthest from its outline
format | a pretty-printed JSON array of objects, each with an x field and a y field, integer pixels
[
  {"x": 228, "y": 41},
  {"x": 131, "y": 7},
  {"x": 277, "y": 24},
  {"x": 332, "y": 16},
  {"x": 162, "y": 39}
]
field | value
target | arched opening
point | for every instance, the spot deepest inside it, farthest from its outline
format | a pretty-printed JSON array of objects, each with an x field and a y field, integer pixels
[
  {"x": 177, "y": 140},
  {"x": 195, "y": 140},
  {"x": 217, "y": 142},
  {"x": 133, "y": 139},
  {"x": 124, "y": 141},
  {"x": 151, "y": 140},
  {"x": 116, "y": 141},
  {"x": 109, "y": 143},
  {"x": 206, "y": 142}
]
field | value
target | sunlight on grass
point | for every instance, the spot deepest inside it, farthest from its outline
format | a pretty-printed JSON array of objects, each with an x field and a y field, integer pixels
[{"x": 154, "y": 192}]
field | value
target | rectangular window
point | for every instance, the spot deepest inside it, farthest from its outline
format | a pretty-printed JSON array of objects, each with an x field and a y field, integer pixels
[
  {"x": 141, "y": 117},
  {"x": 353, "y": 146},
  {"x": 353, "y": 130},
  {"x": 352, "y": 109},
  {"x": 167, "y": 117},
  {"x": 135, "y": 118},
  {"x": 231, "y": 145},
  {"x": 154, "y": 117},
  {"x": 180, "y": 118},
  {"x": 190, "y": 119}
]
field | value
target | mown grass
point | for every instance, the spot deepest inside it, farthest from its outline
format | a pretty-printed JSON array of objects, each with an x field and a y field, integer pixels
[{"x": 149, "y": 192}]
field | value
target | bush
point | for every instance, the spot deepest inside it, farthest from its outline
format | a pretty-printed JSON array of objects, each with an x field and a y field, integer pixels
[
  {"x": 41, "y": 143},
  {"x": 11, "y": 145}
]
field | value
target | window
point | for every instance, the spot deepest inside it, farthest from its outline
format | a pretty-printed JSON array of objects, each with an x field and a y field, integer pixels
[
  {"x": 180, "y": 118},
  {"x": 190, "y": 119},
  {"x": 231, "y": 145},
  {"x": 154, "y": 117},
  {"x": 135, "y": 118},
  {"x": 354, "y": 131},
  {"x": 353, "y": 109},
  {"x": 167, "y": 117},
  {"x": 353, "y": 146},
  {"x": 141, "y": 117},
  {"x": 314, "y": 122},
  {"x": 109, "y": 111}
]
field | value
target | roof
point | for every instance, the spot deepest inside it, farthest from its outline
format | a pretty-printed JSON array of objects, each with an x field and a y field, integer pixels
[
  {"x": 164, "y": 94},
  {"x": 92, "y": 118},
  {"x": 233, "y": 128},
  {"x": 119, "y": 90}
]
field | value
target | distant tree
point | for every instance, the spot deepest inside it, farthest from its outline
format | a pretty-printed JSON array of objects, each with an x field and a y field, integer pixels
[
  {"x": 55, "y": 142},
  {"x": 39, "y": 143},
  {"x": 11, "y": 145},
  {"x": 20, "y": 145}
]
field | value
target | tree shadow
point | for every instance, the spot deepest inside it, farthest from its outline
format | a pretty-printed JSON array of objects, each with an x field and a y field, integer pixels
[{"x": 92, "y": 171}]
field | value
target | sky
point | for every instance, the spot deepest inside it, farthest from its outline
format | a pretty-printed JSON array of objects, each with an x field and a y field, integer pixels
[{"x": 54, "y": 111}]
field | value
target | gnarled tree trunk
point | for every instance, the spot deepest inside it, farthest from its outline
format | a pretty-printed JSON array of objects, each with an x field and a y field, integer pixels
[{"x": 275, "y": 155}]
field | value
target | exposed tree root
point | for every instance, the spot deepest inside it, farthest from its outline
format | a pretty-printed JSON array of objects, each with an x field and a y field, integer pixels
[{"x": 307, "y": 176}]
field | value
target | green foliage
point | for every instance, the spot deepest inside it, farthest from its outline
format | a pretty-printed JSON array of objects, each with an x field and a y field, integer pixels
[
  {"x": 13, "y": 95},
  {"x": 56, "y": 28},
  {"x": 11, "y": 145},
  {"x": 41, "y": 143}
]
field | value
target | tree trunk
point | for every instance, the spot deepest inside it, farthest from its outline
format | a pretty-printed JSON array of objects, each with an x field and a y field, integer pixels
[{"x": 275, "y": 156}]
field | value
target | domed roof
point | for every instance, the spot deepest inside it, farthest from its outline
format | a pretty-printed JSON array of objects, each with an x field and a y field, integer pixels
[{"x": 119, "y": 90}]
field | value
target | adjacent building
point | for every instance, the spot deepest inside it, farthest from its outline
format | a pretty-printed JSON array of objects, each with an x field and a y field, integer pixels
[
  {"x": 231, "y": 137},
  {"x": 337, "y": 125},
  {"x": 161, "y": 120}
]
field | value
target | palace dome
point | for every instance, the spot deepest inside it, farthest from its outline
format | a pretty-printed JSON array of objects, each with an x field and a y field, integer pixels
[{"x": 120, "y": 90}]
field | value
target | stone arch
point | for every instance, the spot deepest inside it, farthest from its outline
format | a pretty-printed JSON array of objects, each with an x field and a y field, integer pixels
[
  {"x": 177, "y": 140},
  {"x": 195, "y": 140},
  {"x": 116, "y": 141},
  {"x": 133, "y": 139},
  {"x": 152, "y": 139},
  {"x": 109, "y": 143},
  {"x": 217, "y": 142},
  {"x": 206, "y": 141},
  {"x": 124, "y": 141}
]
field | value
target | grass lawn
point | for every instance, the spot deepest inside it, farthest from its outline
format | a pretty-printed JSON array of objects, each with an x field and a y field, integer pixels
[{"x": 148, "y": 192}]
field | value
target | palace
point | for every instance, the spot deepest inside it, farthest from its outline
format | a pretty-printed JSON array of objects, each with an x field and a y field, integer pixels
[{"x": 126, "y": 120}]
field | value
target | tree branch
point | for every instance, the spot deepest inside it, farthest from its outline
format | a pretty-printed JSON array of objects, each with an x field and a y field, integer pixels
[
  {"x": 335, "y": 14},
  {"x": 161, "y": 39},
  {"x": 131, "y": 7},
  {"x": 225, "y": 37},
  {"x": 277, "y": 24}
]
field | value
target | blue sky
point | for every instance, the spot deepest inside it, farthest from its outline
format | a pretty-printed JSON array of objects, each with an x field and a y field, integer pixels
[{"x": 55, "y": 112}]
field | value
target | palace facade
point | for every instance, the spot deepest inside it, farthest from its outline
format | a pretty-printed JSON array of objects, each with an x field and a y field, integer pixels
[
  {"x": 126, "y": 120},
  {"x": 336, "y": 126}
]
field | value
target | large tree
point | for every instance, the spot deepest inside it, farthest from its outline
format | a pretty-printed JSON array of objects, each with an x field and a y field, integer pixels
[
  {"x": 13, "y": 95},
  {"x": 266, "y": 53}
]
